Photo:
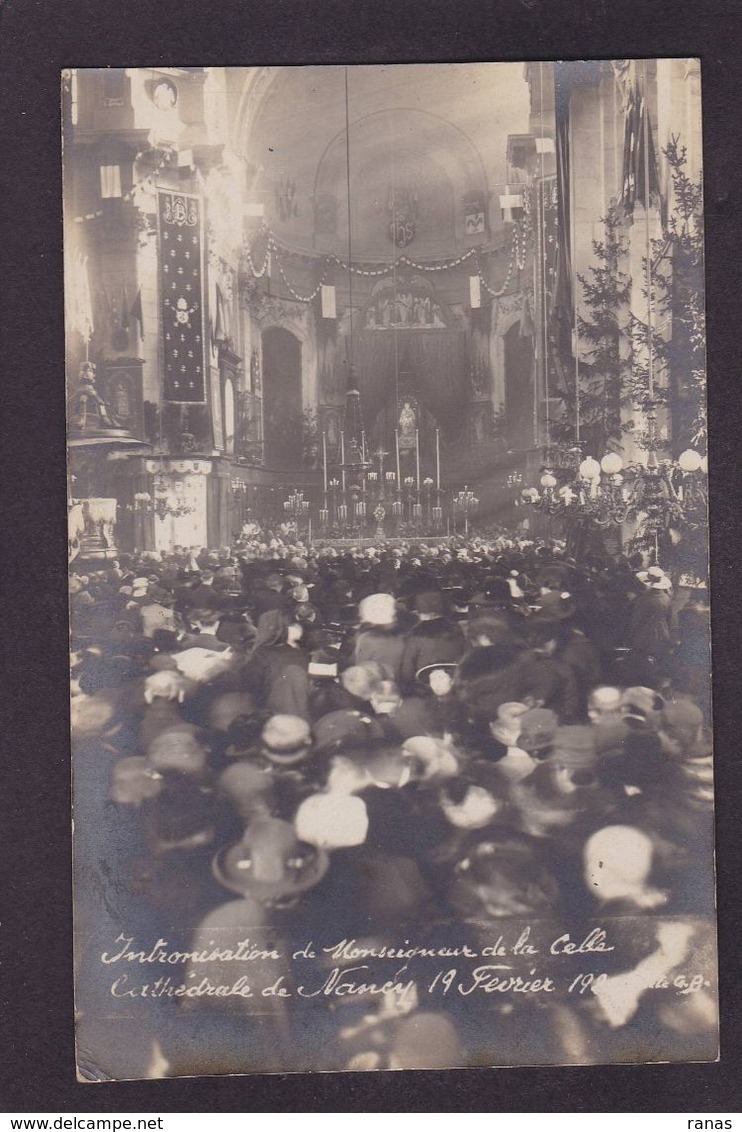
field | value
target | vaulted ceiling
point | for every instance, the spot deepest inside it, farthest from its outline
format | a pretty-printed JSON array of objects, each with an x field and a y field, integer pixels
[{"x": 433, "y": 136}]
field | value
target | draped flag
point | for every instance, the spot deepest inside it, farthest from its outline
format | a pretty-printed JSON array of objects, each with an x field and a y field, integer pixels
[
  {"x": 181, "y": 296},
  {"x": 125, "y": 310},
  {"x": 136, "y": 312},
  {"x": 563, "y": 309},
  {"x": 526, "y": 318},
  {"x": 639, "y": 158}
]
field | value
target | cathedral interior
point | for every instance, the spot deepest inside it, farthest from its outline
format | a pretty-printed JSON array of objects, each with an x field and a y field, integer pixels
[{"x": 306, "y": 293}]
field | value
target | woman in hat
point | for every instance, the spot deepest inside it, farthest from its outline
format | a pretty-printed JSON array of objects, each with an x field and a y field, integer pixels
[
  {"x": 444, "y": 710},
  {"x": 277, "y": 671},
  {"x": 379, "y": 637}
]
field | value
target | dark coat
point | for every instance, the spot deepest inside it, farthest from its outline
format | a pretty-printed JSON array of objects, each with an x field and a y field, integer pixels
[
  {"x": 652, "y": 624},
  {"x": 277, "y": 677},
  {"x": 386, "y": 646},
  {"x": 439, "y": 641}
]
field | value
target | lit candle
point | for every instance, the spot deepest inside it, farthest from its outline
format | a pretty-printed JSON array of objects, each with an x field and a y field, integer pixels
[
  {"x": 363, "y": 447},
  {"x": 417, "y": 458},
  {"x": 396, "y": 442},
  {"x": 438, "y": 459},
  {"x": 324, "y": 459},
  {"x": 342, "y": 459}
]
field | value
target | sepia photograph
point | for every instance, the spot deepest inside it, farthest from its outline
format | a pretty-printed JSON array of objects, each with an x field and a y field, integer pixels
[{"x": 388, "y": 567}]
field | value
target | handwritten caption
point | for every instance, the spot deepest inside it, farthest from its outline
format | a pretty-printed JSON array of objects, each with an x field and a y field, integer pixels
[{"x": 346, "y": 968}]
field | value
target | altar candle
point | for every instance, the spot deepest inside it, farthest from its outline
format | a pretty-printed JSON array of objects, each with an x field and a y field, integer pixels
[
  {"x": 417, "y": 457},
  {"x": 342, "y": 459},
  {"x": 438, "y": 459},
  {"x": 396, "y": 441},
  {"x": 324, "y": 459}
]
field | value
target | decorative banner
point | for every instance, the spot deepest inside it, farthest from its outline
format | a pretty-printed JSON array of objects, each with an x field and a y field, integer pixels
[
  {"x": 474, "y": 214},
  {"x": 181, "y": 297},
  {"x": 328, "y": 302}
]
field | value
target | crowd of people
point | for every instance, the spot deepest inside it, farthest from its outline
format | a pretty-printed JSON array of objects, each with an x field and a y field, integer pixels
[{"x": 457, "y": 796}]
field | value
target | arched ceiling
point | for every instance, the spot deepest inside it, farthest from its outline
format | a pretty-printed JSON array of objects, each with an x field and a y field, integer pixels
[{"x": 434, "y": 132}]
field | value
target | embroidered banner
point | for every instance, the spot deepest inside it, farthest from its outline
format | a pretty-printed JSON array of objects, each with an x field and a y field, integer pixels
[{"x": 181, "y": 297}]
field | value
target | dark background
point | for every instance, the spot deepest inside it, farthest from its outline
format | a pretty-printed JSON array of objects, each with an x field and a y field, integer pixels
[{"x": 38, "y": 39}]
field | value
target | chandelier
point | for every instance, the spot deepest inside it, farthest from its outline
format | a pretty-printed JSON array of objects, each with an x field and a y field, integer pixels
[
  {"x": 657, "y": 494},
  {"x": 163, "y": 506}
]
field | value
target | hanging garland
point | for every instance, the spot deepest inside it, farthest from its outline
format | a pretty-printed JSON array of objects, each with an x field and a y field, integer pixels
[{"x": 274, "y": 250}]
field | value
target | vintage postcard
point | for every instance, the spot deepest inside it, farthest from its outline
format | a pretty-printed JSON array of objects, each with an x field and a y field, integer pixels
[{"x": 390, "y": 671}]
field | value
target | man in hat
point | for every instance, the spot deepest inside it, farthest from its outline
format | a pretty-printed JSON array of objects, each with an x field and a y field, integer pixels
[
  {"x": 652, "y": 629},
  {"x": 435, "y": 639}
]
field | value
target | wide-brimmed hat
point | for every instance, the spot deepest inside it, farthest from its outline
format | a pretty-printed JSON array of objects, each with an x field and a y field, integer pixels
[
  {"x": 178, "y": 750},
  {"x": 286, "y": 738},
  {"x": 423, "y": 674},
  {"x": 655, "y": 578},
  {"x": 270, "y": 863}
]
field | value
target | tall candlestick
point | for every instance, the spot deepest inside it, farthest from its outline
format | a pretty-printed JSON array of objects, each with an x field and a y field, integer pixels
[
  {"x": 342, "y": 459},
  {"x": 417, "y": 457},
  {"x": 438, "y": 459},
  {"x": 396, "y": 442},
  {"x": 363, "y": 447},
  {"x": 324, "y": 459}
]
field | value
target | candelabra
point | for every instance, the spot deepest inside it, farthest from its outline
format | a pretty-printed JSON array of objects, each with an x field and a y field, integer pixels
[
  {"x": 428, "y": 485},
  {"x": 296, "y": 506},
  {"x": 465, "y": 501}
]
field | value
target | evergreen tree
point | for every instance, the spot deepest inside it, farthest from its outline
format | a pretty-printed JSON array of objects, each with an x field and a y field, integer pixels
[
  {"x": 604, "y": 368},
  {"x": 678, "y": 312}
]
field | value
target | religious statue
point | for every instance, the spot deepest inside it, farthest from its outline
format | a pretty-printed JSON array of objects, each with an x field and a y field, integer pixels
[
  {"x": 407, "y": 421},
  {"x": 86, "y": 406}
]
